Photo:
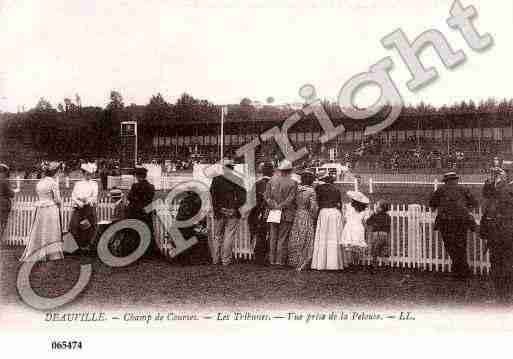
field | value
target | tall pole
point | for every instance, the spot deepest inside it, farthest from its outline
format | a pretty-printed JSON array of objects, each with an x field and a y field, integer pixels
[{"x": 222, "y": 134}]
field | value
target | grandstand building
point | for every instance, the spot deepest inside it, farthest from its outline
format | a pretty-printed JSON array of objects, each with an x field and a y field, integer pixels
[{"x": 474, "y": 135}]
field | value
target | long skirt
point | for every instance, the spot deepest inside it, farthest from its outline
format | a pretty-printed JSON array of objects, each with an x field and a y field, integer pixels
[
  {"x": 327, "y": 253},
  {"x": 83, "y": 236},
  {"x": 301, "y": 239},
  {"x": 45, "y": 241}
]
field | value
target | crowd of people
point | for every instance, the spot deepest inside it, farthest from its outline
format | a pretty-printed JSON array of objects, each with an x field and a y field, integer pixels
[
  {"x": 301, "y": 221},
  {"x": 297, "y": 224}
]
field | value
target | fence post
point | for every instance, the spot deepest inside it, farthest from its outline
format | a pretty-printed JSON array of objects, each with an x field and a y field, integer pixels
[
  {"x": 436, "y": 184},
  {"x": 67, "y": 181},
  {"x": 356, "y": 184},
  {"x": 371, "y": 189},
  {"x": 18, "y": 183}
]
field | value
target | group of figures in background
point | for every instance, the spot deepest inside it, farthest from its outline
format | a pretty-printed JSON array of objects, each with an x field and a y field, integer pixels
[
  {"x": 46, "y": 234},
  {"x": 305, "y": 223}
]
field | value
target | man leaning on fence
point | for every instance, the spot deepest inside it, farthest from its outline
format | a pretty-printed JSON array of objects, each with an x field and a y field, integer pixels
[
  {"x": 453, "y": 203},
  {"x": 497, "y": 229},
  {"x": 227, "y": 198},
  {"x": 141, "y": 195}
]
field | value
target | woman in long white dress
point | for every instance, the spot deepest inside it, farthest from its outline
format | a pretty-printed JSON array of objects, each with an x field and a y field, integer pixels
[
  {"x": 327, "y": 253},
  {"x": 45, "y": 241},
  {"x": 353, "y": 235}
]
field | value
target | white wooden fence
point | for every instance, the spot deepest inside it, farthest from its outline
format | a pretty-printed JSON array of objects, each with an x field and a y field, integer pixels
[{"x": 414, "y": 243}]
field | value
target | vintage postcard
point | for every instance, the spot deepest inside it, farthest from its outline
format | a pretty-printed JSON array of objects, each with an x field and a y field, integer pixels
[{"x": 234, "y": 169}]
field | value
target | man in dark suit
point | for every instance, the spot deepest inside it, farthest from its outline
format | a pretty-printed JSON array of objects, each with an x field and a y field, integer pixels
[
  {"x": 141, "y": 194},
  {"x": 280, "y": 194},
  {"x": 497, "y": 229},
  {"x": 227, "y": 198},
  {"x": 258, "y": 216},
  {"x": 453, "y": 220}
]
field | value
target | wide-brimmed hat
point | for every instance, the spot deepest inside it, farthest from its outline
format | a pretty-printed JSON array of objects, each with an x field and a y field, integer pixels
[
  {"x": 358, "y": 197},
  {"x": 450, "y": 176},
  {"x": 88, "y": 167},
  {"x": 4, "y": 168},
  {"x": 285, "y": 165},
  {"x": 50, "y": 166}
]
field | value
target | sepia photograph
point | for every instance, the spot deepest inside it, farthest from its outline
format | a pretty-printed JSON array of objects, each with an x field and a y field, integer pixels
[{"x": 255, "y": 167}]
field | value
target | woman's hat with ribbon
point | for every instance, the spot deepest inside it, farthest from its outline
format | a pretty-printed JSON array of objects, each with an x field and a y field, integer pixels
[{"x": 358, "y": 197}]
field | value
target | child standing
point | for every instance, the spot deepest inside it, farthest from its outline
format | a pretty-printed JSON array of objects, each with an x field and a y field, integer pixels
[
  {"x": 379, "y": 232},
  {"x": 353, "y": 234}
]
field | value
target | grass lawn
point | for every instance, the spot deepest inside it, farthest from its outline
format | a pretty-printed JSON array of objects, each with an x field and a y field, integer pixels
[{"x": 156, "y": 283}]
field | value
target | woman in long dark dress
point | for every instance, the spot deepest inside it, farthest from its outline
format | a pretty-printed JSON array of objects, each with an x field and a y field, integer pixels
[
  {"x": 302, "y": 234},
  {"x": 6, "y": 194}
]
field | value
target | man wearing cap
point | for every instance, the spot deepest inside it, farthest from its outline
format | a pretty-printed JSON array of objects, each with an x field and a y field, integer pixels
[
  {"x": 258, "y": 215},
  {"x": 280, "y": 194},
  {"x": 227, "y": 198},
  {"x": 453, "y": 220},
  {"x": 497, "y": 229},
  {"x": 141, "y": 195}
]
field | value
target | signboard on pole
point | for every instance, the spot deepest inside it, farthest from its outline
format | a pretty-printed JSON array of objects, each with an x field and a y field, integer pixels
[{"x": 128, "y": 150}]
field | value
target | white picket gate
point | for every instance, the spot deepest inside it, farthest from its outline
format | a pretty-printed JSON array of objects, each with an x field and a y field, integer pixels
[{"x": 414, "y": 243}]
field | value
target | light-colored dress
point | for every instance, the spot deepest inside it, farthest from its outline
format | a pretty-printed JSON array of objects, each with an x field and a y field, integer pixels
[
  {"x": 327, "y": 254},
  {"x": 45, "y": 241},
  {"x": 302, "y": 234},
  {"x": 353, "y": 234}
]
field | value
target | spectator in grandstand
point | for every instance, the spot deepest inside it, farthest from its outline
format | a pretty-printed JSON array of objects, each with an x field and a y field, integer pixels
[
  {"x": 45, "y": 241},
  {"x": 302, "y": 234},
  {"x": 453, "y": 220},
  {"x": 280, "y": 195},
  {"x": 378, "y": 225},
  {"x": 327, "y": 253},
  {"x": 497, "y": 229},
  {"x": 141, "y": 195},
  {"x": 227, "y": 198},
  {"x": 6, "y": 194},
  {"x": 257, "y": 220},
  {"x": 84, "y": 198}
]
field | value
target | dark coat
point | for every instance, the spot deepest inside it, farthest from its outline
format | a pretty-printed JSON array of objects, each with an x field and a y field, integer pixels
[
  {"x": 328, "y": 196},
  {"x": 226, "y": 194},
  {"x": 258, "y": 215},
  {"x": 280, "y": 193},
  {"x": 140, "y": 195},
  {"x": 497, "y": 227},
  {"x": 453, "y": 203}
]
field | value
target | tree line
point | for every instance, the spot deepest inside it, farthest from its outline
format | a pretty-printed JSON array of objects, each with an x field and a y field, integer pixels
[{"x": 73, "y": 130}]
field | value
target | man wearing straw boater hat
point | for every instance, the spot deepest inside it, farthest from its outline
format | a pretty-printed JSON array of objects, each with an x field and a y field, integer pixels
[
  {"x": 280, "y": 195},
  {"x": 453, "y": 203}
]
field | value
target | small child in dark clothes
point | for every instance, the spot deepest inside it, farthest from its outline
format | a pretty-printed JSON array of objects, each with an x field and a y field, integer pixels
[{"x": 379, "y": 225}]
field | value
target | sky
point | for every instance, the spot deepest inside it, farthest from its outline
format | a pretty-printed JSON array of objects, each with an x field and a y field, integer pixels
[{"x": 226, "y": 50}]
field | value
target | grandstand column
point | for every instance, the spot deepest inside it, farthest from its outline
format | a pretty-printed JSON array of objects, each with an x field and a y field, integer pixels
[{"x": 371, "y": 189}]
